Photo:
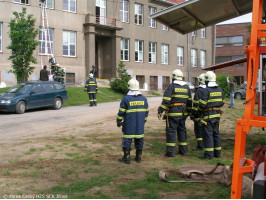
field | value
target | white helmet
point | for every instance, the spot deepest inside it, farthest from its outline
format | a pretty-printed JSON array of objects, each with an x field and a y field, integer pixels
[
  {"x": 201, "y": 79},
  {"x": 210, "y": 76},
  {"x": 177, "y": 75},
  {"x": 91, "y": 75},
  {"x": 133, "y": 84}
]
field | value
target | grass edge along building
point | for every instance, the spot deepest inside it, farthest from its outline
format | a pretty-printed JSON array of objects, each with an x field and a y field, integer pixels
[{"x": 103, "y": 32}]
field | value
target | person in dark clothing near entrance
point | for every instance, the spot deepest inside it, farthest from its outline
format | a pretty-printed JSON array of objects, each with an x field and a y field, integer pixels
[
  {"x": 91, "y": 88},
  {"x": 44, "y": 74},
  {"x": 132, "y": 116},
  {"x": 177, "y": 105},
  {"x": 196, "y": 113},
  {"x": 94, "y": 71},
  {"x": 232, "y": 92},
  {"x": 210, "y": 102}
]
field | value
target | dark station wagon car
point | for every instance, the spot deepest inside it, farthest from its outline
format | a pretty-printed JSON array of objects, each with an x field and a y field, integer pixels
[{"x": 30, "y": 95}]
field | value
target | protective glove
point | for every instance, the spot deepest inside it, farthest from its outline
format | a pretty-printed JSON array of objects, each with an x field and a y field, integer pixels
[
  {"x": 192, "y": 117},
  {"x": 120, "y": 124},
  {"x": 85, "y": 90},
  {"x": 160, "y": 115}
]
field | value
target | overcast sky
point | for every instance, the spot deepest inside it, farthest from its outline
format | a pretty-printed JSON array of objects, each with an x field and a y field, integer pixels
[{"x": 241, "y": 19}]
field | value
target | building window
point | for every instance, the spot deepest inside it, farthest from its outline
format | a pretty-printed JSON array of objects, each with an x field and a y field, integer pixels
[
  {"x": 69, "y": 43},
  {"x": 138, "y": 14},
  {"x": 164, "y": 28},
  {"x": 194, "y": 33},
  {"x": 203, "y": 33},
  {"x": 223, "y": 59},
  {"x": 194, "y": 57},
  {"x": 49, "y": 4},
  {"x": 166, "y": 82},
  {"x": 46, "y": 46},
  {"x": 1, "y": 37},
  {"x": 70, "y": 78},
  {"x": 141, "y": 80},
  {"x": 101, "y": 11},
  {"x": 153, "y": 83},
  {"x": 22, "y": 1},
  {"x": 180, "y": 56},
  {"x": 235, "y": 41},
  {"x": 202, "y": 58},
  {"x": 152, "y": 52},
  {"x": 139, "y": 50},
  {"x": 164, "y": 51},
  {"x": 124, "y": 11},
  {"x": 125, "y": 49},
  {"x": 69, "y": 5},
  {"x": 152, "y": 22}
]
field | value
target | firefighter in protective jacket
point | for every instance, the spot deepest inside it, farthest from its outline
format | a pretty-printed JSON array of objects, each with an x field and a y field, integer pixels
[
  {"x": 91, "y": 88},
  {"x": 177, "y": 104},
  {"x": 132, "y": 116},
  {"x": 196, "y": 112},
  {"x": 210, "y": 102},
  {"x": 59, "y": 74}
]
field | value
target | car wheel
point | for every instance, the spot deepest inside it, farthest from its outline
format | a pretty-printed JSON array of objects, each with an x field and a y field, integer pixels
[
  {"x": 57, "y": 104},
  {"x": 238, "y": 96},
  {"x": 20, "y": 107}
]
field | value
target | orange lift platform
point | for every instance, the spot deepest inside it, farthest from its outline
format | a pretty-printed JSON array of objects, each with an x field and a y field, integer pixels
[{"x": 196, "y": 14}]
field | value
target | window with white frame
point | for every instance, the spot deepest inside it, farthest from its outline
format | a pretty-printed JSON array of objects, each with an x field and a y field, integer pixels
[
  {"x": 138, "y": 14},
  {"x": 194, "y": 57},
  {"x": 194, "y": 33},
  {"x": 69, "y": 43},
  {"x": 203, "y": 33},
  {"x": 164, "y": 28},
  {"x": 180, "y": 56},
  {"x": 49, "y": 3},
  {"x": 69, "y": 5},
  {"x": 22, "y": 1},
  {"x": 1, "y": 36},
  {"x": 202, "y": 58},
  {"x": 125, "y": 49},
  {"x": 124, "y": 11},
  {"x": 164, "y": 54},
  {"x": 139, "y": 50},
  {"x": 152, "y": 22},
  {"x": 152, "y": 52},
  {"x": 46, "y": 46}
]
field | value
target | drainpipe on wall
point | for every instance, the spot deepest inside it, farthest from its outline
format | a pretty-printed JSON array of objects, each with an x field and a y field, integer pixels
[
  {"x": 188, "y": 60},
  {"x": 213, "y": 44}
]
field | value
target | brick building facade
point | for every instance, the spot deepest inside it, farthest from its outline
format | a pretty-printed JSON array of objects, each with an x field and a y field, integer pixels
[{"x": 230, "y": 42}]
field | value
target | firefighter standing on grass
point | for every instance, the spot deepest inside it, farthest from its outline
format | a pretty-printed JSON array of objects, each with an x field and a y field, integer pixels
[
  {"x": 212, "y": 98},
  {"x": 132, "y": 116},
  {"x": 177, "y": 105},
  {"x": 91, "y": 88},
  {"x": 196, "y": 113}
]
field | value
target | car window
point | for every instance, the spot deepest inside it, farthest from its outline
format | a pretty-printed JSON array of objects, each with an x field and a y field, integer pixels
[
  {"x": 58, "y": 86},
  {"x": 48, "y": 87},
  {"x": 37, "y": 88},
  {"x": 19, "y": 88}
]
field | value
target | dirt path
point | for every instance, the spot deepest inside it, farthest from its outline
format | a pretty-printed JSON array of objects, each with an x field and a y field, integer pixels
[{"x": 14, "y": 127}]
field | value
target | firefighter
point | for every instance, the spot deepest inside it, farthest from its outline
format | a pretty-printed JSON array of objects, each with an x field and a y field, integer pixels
[
  {"x": 59, "y": 74},
  {"x": 210, "y": 102},
  {"x": 53, "y": 64},
  {"x": 177, "y": 105},
  {"x": 91, "y": 88},
  {"x": 132, "y": 116},
  {"x": 196, "y": 113}
]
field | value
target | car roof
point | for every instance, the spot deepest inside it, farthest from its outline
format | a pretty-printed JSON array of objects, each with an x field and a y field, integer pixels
[{"x": 42, "y": 82}]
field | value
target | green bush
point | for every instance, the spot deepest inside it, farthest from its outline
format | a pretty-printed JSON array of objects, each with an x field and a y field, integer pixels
[
  {"x": 222, "y": 82},
  {"x": 119, "y": 84}
]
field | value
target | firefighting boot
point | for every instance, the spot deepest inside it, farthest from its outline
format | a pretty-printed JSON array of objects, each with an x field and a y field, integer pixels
[
  {"x": 138, "y": 155},
  {"x": 126, "y": 157}
]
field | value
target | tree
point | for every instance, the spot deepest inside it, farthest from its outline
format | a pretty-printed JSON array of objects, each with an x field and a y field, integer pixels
[
  {"x": 22, "y": 35},
  {"x": 119, "y": 84}
]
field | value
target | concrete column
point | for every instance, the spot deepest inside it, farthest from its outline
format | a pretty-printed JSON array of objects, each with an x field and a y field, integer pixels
[
  {"x": 89, "y": 48},
  {"x": 116, "y": 57}
]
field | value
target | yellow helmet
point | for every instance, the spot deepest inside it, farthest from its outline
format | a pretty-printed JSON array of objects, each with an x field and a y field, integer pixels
[
  {"x": 201, "y": 78},
  {"x": 177, "y": 75},
  {"x": 210, "y": 76},
  {"x": 133, "y": 84},
  {"x": 91, "y": 75}
]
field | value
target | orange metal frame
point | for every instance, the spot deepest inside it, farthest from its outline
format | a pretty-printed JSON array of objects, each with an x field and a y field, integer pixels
[{"x": 241, "y": 164}]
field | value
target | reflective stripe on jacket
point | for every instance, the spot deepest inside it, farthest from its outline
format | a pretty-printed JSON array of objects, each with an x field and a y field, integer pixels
[
  {"x": 133, "y": 111},
  {"x": 176, "y": 93},
  {"x": 91, "y": 85}
]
